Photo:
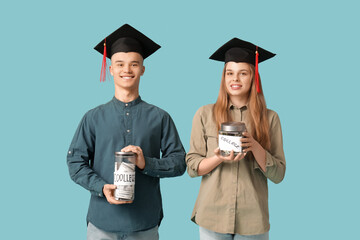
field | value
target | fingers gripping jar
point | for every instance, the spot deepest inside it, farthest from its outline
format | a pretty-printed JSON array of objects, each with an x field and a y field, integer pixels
[
  {"x": 124, "y": 176},
  {"x": 229, "y": 137}
]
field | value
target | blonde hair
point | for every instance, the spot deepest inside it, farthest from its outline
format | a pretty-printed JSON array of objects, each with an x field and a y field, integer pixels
[{"x": 259, "y": 123}]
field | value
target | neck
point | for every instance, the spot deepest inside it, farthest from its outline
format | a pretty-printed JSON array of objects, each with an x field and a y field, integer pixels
[
  {"x": 125, "y": 95},
  {"x": 239, "y": 101}
]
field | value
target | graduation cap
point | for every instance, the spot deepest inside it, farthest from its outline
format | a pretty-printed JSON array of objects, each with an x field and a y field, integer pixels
[
  {"x": 237, "y": 50},
  {"x": 125, "y": 39}
]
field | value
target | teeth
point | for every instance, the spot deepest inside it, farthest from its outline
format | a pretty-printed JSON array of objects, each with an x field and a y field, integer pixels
[{"x": 127, "y": 77}]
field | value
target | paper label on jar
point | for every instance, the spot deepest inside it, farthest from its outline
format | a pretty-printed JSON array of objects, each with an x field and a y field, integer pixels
[
  {"x": 125, "y": 174},
  {"x": 124, "y": 179},
  {"x": 228, "y": 143}
]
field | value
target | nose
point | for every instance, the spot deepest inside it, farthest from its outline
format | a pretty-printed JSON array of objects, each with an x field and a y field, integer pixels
[{"x": 127, "y": 68}]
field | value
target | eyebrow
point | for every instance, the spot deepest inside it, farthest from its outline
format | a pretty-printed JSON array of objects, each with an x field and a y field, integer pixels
[{"x": 230, "y": 70}]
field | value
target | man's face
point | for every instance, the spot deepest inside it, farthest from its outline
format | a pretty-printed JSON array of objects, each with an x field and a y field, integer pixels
[{"x": 127, "y": 68}]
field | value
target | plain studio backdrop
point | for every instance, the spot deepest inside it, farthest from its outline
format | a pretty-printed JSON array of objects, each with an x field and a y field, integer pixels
[{"x": 50, "y": 79}]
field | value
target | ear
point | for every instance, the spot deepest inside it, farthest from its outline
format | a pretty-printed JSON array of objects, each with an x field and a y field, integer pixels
[
  {"x": 143, "y": 70},
  {"x": 111, "y": 71}
]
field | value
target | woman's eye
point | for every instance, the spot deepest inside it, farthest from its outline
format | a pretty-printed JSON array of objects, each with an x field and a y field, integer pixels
[{"x": 229, "y": 74}]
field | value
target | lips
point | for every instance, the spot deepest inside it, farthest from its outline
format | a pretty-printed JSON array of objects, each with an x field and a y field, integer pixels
[
  {"x": 235, "y": 86},
  {"x": 127, "y": 77}
]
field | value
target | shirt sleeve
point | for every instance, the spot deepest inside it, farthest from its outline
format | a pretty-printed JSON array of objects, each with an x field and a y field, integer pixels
[
  {"x": 172, "y": 161},
  {"x": 79, "y": 158},
  {"x": 275, "y": 158},
  {"x": 197, "y": 150}
]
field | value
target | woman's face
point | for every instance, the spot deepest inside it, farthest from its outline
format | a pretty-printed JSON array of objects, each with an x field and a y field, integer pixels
[{"x": 238, "y": 79}]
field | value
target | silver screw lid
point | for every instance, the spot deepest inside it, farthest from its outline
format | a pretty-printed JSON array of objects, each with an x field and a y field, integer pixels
[
  {"x": 124, "y": 154},
  {"x": 233, "y": 127}
]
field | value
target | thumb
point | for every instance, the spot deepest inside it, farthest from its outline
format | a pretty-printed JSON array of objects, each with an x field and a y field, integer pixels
[{"x": 110, "y": 186}]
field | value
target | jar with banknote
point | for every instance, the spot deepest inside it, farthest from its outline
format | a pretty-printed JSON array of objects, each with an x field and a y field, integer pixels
[
  {"x": 124, "y": 176},
  {"x": 229, "y": 137}
]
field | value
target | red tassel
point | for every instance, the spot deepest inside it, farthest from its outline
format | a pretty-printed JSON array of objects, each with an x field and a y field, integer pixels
[
  {"x": 257, "y": 80},
  {"x": 103, "y": 65}
]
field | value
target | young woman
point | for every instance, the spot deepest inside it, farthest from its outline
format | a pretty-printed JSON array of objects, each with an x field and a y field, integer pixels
[{"x": 233, "y": 197}]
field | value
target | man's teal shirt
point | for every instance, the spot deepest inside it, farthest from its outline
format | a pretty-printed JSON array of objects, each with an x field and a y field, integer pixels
[{"x": 107, "y": 129}]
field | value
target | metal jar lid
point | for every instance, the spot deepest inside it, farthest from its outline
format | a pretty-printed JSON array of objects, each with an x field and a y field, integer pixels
[
  {"x": 125, "y": 154},
  {"x": 233, "y": 127}
]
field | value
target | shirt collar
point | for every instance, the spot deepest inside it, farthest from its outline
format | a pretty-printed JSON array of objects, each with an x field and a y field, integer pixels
[
  {"x": 128, "y": 104},
  {"x": 232, "y": 106}
]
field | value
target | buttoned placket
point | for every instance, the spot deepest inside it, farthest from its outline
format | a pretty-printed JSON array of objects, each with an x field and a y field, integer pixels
[
  {"x": 240, "y": 190},
  {"x": 128, "y": 123},
  {"x": 240, "y": 110},
  {"x": 233, "y": 195},
  {"x": 241, "y": 113},
  {"x": 236, "y": 184}
]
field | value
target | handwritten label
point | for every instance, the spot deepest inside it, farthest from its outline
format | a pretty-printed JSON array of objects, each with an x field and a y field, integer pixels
[{"x": 228, "y": 143}]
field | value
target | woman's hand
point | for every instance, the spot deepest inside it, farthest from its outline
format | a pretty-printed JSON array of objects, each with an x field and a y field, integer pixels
[
  {"x": 231, "y": 157},
  {"x": 209, "y": 164},
  {"x": 249, "y": 144}
]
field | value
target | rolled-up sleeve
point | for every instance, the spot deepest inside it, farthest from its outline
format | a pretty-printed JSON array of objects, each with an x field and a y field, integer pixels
[
  {"x": 275, "y": 158},
  {"x": 80, "y": 153},
  {"x": 198, "y": 149}
]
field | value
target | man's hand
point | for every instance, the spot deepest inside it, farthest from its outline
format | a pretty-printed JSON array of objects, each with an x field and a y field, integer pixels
[
  {"x": 108, "y": 191},
  {"x": 140, "y": 160}
]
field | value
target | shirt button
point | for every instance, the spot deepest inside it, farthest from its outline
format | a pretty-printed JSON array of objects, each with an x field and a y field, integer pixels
[
  {"x": 127, "y": 114},
  {"x": 128, "y": 130},
  {"x": 69, "y": 152},
  {"x": 126, "y": 105}
]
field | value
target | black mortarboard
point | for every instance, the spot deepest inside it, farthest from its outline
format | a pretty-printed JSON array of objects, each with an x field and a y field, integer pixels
[
  {"x": 125, "y": 39},
  {"x": 237, "y": 50}
]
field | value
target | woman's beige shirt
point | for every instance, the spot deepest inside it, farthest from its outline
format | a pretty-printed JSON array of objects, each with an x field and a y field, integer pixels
[{"x": 233, "y": 198}]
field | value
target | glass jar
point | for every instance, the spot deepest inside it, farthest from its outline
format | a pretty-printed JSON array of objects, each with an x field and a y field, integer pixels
[
  {"x": 229, "y": 137},
  {"x": 124, "y": 176}
]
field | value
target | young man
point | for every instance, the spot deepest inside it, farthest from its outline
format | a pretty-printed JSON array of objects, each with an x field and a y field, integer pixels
[{"x": 126, "y": 124}]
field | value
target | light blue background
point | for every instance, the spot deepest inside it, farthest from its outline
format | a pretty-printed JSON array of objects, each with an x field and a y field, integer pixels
[{"x": 50, "y": 78}]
